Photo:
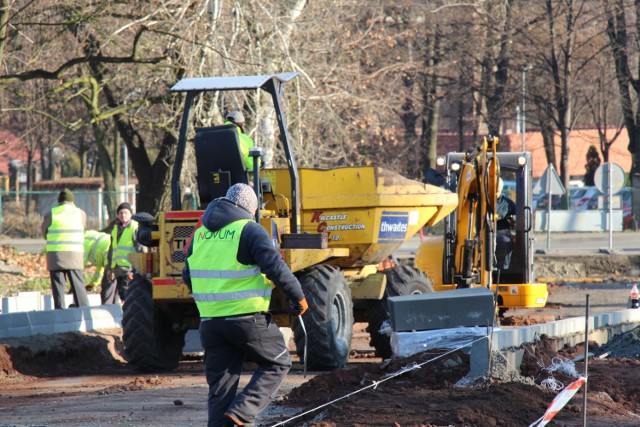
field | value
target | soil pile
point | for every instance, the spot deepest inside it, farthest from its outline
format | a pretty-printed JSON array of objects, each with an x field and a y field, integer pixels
[
  {"x": 416, "y": 391},
  {"x": 428, "y": 396},
  {"x": 65, "y": 354},
  {"x": 623, "y": 345}
]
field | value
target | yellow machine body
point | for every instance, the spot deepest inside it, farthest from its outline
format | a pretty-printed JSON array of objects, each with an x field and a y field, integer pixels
[
  {"x": 466, "y": 255},
  {"x": 366, "y": 212}
]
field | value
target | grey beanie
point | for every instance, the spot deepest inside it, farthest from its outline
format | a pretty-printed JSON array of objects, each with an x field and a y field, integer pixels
[
  {"x": 244, "y": 196},
  {"x": 236, "y": 117}
]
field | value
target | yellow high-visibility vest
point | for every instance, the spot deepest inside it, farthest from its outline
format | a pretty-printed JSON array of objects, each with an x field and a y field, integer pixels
[
  {"x": 66, "y": 232},
  {"x": 221, "y": 285},
  {"x": 123, "y": 247}
]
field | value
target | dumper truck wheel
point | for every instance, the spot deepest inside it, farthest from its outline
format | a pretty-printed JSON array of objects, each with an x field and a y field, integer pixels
[
  {"x": 401, "y": 280},
  {"x": 329, "y": 320},
  {"x": 150, "y": 342}
]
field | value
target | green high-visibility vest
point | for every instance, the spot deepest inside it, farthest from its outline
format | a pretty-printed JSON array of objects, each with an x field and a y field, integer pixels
[
  {"x": 221, "y": 285},
  {"x": 96, "y": 248},
  {"x": 124, "y": 246},
  {"x": 246, "y": 143},
  {"x": 66, "y": 232}
]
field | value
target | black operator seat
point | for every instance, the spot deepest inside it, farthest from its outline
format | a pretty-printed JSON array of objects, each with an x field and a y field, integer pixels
[{"x": 219, "y": 162}]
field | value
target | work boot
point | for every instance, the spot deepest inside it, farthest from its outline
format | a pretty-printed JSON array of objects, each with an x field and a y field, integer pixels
[{"x": 232, "y": 419}]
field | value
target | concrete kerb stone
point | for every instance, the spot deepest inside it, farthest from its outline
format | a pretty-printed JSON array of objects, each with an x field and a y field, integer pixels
[
  {"x": 507, "y": 344},
  {"x": 56, "y": 321}
]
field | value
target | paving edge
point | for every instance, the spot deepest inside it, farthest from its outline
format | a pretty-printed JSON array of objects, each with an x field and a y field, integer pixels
[
  {"x": 506, "y": 344},
  {"x": 49, "y": 322}
]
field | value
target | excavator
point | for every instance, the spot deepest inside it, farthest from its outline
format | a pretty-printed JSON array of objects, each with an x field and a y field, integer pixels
[{"x": 466, "y": 256}]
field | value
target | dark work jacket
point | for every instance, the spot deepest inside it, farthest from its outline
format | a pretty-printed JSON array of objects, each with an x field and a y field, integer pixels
[
  {"x": 255, "y": 247},
  {"x": 505, "y": 209}
]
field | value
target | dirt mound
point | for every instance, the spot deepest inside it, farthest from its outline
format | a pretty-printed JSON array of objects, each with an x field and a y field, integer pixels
[
  {"x": 65, "y": 354},
  {"x": 552, "y": 266},
  {"x": 427, "y": 396}
]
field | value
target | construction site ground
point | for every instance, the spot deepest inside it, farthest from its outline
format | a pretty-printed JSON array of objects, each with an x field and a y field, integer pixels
[{"x": 80, "y": 379}]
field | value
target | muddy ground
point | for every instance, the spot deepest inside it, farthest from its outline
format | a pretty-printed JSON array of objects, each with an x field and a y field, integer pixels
[{"x": 80, "y": 379}]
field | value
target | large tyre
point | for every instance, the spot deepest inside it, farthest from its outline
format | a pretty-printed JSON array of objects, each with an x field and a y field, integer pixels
[
  {"x": 329, "y": 320},
  {"x": 150, "y": 342},
  {"x": 401, "y": 280}
]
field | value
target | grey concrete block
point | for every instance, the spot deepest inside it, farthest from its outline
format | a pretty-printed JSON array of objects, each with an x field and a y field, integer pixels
[
  {"x": 15, "y": 325},
  {"x": 102, "y": 317},
  {"x": 479, "y": 358},
  {"x": 29, "y": 301},
  {"x": 441, "y": 310},
  {"x": 9, "y": 305}
]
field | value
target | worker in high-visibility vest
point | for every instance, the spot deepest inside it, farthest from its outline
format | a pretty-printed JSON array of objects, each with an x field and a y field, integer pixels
[
  {"x": 63, "y": 227},
  {"x": 246, "y": 143},
  {"x": 124, "y": 241},
  {"x": 96, "y": 253},
  {"x": 227, "y": 261}
]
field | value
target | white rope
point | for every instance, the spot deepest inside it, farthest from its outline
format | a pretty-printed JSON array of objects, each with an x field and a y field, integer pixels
[
  {"x": 564, "y": 366},
  {"x": 411, "y": 367},
  {"x": 552, "y": 384}
]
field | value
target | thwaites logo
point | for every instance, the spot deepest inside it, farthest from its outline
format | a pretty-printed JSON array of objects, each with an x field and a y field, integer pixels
[
  {"x": 393, "y": 226},
  {"x": 331, "y": 229}
]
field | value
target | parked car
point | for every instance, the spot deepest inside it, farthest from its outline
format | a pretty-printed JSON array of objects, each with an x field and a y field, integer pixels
[
  {"x": 541, "y": 201},
  {"x": 583, "y": 198}
]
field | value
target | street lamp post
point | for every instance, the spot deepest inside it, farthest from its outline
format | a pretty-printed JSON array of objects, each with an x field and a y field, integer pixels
[{"x": 523, "y": 129}]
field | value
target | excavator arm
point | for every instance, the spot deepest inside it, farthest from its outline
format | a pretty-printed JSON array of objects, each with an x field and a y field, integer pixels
[{"x": 477, "y": 186}]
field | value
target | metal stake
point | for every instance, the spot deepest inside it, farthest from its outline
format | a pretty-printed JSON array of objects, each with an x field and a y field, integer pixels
[{"x": 586, "y": 363}]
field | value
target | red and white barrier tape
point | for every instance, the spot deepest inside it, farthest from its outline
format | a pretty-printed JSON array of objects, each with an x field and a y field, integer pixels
[{"x": 558, "y": 402}]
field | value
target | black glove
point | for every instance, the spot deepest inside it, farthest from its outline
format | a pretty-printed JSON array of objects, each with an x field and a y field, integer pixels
[{"x": 298, "y": 308}]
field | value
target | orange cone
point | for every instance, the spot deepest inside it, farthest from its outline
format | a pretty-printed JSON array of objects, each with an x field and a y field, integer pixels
[{"x": 634, "y": 296}]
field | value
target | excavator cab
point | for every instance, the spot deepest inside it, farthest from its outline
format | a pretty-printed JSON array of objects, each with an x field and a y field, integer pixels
[
  {"x": 467, "y": 256},
  {"x": 515, "y": 169}
]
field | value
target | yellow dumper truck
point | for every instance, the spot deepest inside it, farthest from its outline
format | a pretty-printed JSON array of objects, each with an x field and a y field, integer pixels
[{"x": 333, "y": 227}]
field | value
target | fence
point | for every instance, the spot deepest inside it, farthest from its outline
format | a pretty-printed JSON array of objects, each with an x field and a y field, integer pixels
[{"x": 21, "y": 212}]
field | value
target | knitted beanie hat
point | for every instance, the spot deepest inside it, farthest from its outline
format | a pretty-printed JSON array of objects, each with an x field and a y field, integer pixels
[
  {"x": 236, "y": 117},
  {"x": 65, "y": 196},
  {"x": 124, "y": 205},
  {"x": 244, "y": 196}
]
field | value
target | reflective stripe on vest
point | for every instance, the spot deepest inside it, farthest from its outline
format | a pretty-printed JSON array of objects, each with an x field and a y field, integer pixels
[
  {"x": 123, "y": 247},
  {"x": 94, "y": 243},
  {"x": 221, "y": 285},
  {"x": 66, "y": 232}
]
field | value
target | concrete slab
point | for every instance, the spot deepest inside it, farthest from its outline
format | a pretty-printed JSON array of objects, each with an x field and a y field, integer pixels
[
  {"x": 35, "y": 301},
  {"x": 56, "y": 321},
  {"x": 442, "y": 310},
  {"x": 15, "y": 325},
  {"x": 29, "y": 301}
]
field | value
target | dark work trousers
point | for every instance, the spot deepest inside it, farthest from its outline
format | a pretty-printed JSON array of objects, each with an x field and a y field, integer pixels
[
  {"x": 228, "y": 342},
  {"x": 59, "y": 286},
  {"x": 113, "y": 291}
]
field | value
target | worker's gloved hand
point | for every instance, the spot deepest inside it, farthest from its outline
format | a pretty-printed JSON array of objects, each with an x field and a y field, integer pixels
[
  {"x": 130, "y": 276},
  {"x": 298, "y": 308}
]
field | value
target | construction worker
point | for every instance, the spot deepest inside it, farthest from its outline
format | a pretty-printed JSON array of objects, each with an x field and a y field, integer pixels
[
  {"x": 505, "y": 211},
  {"x": 96, "y": 253},
  {"x": 63, "y": 227},
  {"x": 123, "y": 242},
  {"x": 246, "y": 143},
  {"x": 226, "y": 261}
]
